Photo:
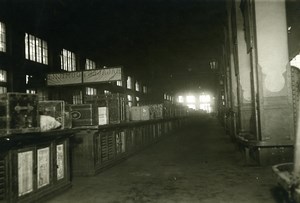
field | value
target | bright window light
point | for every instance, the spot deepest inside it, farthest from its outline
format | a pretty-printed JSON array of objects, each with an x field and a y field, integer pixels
[
  {"x": 190, "y": 99},
  {"x": 192, "y": 106},
  {"x": 180, "y": 99},
  {"x": 205, "y": 107},
  {"x": 129, "y": 85},
  {"x": 205, "y": 98},
  {"x": 2, "y": 37}
]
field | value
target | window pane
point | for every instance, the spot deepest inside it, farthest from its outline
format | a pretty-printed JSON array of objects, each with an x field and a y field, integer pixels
[
  {"x": 26, "y": 46},
  {"x": 180, "y": 99},
  {"x": 45, "y": 52},
  {"x": 38, "y": 50},
  {"x": 129, "y": 82},
  {"x": 2, "y": 37},
  {"x": 190, "y": 99},
  {"x": 3, "y": 90},
  {"x": 3, "y": 76}
]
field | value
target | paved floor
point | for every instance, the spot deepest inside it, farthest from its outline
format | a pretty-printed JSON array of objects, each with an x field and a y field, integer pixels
[{"x": 196, "y": 164}]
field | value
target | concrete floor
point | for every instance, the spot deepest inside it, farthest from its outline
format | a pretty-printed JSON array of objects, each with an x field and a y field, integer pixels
[{"x": 196, "y": 164}]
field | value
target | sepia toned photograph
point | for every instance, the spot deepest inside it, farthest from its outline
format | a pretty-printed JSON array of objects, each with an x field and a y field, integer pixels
[{"x": 149, "y": 101}]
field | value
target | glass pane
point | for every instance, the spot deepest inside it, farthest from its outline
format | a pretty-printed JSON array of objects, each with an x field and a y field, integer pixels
[{"x": 26, "y": 46}]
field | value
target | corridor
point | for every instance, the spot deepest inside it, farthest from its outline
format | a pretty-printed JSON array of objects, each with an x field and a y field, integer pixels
[{"x": 196, "y": 164}]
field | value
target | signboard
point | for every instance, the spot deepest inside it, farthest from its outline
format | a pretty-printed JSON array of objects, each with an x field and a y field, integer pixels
[
  {"x": 43, "y": 167},
  {"x": 25, "y": 172},
  {"x": 64, "y": 78},
  {"x": 60, "y": 162},
  {"x": 102, "y": 75}
]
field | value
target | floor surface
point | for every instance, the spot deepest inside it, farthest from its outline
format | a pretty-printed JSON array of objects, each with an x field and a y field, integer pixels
[{"x": 198, "y": 163}]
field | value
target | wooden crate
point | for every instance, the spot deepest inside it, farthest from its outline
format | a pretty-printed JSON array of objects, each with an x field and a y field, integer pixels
[
  {"x": 83, "y": 115},
  {"x": 18, "y": 113},
  {"x": 115, "y": 104}
]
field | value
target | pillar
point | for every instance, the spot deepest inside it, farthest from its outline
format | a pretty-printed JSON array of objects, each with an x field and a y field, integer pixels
[{"x": 266, "y": 42}]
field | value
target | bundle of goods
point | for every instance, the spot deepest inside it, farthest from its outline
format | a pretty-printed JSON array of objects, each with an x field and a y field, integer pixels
[{"x": 18, "y": 113}]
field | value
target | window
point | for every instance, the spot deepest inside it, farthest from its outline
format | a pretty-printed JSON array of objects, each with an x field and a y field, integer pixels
[
  {"x": 28, "y": 78},
  {"x": 3, "y": 76},
  {"x": 30, "y": 91},
  {"x": 180, "y": 99},
  {"x": 192, "y": 106},
  {"x": 3, "y": 90},
  {"x": 2, "y": 37},
  {"x": 77, "y": 97},
  {"x": 190, "y": 99},
  {"x": 137, "y": 99},
  {"x": 119, "y": 83},
  {"x": 204, "y": 98},
  {"x": 107, "y": 92},
  {"x": 36, "y": 49},
  {"x": 90, "y": 91},
  {"x": 129, "y": 98},
  {"x": 129, "y": 84},
  {"x": 67, "y": 60},
  {"x": 89, "y": 64},
  {"x": 145, "y": 89},
  {"x": 3, "y": 79},
  {"x": 205, "y": 103},
  {"x": 165, "y": 96},
  {"x": 137, "y": 86}
]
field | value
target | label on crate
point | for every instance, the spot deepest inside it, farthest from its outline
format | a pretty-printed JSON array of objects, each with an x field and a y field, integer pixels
[
  {"x": 75, "y": 115},
  {"x": 103, "y": 116}
]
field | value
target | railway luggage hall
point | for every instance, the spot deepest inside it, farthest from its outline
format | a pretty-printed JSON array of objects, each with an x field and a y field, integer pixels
[
  {"x": 137, "y": 101},
  {"x": 198, "y": 163}
]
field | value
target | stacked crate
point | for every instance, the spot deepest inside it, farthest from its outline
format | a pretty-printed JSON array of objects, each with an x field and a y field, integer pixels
[
  {"x": 18, "y": 113},
  {"x": 115, "y": 103}
]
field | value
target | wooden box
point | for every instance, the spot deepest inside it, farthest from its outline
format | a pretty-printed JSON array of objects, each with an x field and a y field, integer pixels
[
  {"x": 135, "y": 113},
  {"x": 115, "y": 104},
  {"x": 83, "y": 115},
  {"x": 145, "y": 113},
  {"x": 18, "y": 113}
]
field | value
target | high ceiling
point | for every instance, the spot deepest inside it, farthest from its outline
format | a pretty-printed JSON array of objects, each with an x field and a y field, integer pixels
[{"x": 168, "y": 42}]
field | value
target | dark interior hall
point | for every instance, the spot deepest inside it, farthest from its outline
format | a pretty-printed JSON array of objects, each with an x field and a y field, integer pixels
[{"x": 149, "y": 101}]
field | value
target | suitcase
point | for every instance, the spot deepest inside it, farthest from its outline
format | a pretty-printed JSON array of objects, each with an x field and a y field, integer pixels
[{"x": 18, "y": 113}]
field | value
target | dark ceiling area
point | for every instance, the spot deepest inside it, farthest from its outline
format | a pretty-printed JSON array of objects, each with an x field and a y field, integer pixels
[{"x": 169, "y": 43}]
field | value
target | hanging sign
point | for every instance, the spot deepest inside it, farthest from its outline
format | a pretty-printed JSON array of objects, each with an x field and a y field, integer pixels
[
  {"x": 64, "y": 78},
  {"x": 102, "y": 75}
]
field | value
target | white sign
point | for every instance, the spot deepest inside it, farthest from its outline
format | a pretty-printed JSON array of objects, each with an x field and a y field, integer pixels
[
  {"x": 64, "y": 78},
  {"x": 25, "y": 172},
  {"x": 43, "y": 167},
  {"x": 102, "y": 75}
]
